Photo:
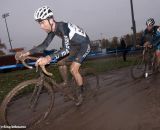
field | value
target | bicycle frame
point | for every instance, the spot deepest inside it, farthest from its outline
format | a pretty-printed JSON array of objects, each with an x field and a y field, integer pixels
[
  {"x": 42, "y": 87},
  {"x": 142, "y": 63},
  {"x": 150, "y": 60}
]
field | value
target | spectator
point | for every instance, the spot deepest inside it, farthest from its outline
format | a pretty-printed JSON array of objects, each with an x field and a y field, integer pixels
[{"x": 124, "y": 49}]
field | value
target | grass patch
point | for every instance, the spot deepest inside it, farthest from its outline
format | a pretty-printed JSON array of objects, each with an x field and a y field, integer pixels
[{"x": 104, "y": 65}]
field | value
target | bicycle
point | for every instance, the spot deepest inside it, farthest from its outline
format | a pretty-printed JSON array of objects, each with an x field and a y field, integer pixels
[
  {"x": 145, "y": 64},
  {"x": 35, "y": 98}
]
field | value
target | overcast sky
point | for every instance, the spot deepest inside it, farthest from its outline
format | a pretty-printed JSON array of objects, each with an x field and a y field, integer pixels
[{"x": 99, "y": 18}]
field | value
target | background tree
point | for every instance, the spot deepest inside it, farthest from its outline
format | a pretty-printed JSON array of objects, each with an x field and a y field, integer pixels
[
  {"x": 114, "y": 42},
  {"x": 103, "y": 43},
  {"x": 139, "y": 37},
  {"x": 107, "y": 43},
  {"x": 128, "y": 40}
]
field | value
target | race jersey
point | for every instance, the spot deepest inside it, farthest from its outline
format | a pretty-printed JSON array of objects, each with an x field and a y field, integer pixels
[
  {"x": 152, "y": 36},
  {"x": 71, "y": 35}
]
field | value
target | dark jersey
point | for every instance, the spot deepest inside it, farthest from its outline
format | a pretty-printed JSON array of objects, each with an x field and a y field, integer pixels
[
  {"x": 152, "y": 36},
  {"x": 71, "y": 35}
]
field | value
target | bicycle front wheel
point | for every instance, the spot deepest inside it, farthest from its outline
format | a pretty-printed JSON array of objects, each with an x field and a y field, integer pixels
[
  {"x": 27, "y": 104},
  {"x": 138, "y": 68}
]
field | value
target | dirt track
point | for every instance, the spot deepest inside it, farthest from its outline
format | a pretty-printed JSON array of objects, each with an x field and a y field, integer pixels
[{"x": 122, "y": 104}]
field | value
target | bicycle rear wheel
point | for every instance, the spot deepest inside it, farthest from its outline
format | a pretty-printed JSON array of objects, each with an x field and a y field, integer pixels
[
  {"x": 27, "y": 104},
  {"x": 90, "y": 83},
  {"x": 138, "y": 68}
]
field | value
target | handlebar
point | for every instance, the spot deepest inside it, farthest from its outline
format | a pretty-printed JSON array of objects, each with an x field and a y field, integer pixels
[{"x": 18, "y": 58}]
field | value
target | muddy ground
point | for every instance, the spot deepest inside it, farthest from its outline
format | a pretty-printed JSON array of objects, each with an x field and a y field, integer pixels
[{"x": 121, "y": 104}]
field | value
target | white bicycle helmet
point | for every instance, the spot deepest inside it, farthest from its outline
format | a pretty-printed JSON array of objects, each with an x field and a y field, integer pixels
[
  {"x": 43, "y": 13},
  {"x": 150, "y": 22}
]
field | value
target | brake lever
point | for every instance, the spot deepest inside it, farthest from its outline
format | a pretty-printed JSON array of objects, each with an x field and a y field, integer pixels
[{"x": 18, "y": 58}]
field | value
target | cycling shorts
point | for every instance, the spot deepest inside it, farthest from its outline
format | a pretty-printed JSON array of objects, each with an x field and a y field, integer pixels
[{"x": 78, "y": 54}]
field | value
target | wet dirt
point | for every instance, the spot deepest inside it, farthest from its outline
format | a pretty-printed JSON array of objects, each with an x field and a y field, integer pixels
[{"x": 122, "y": 103}]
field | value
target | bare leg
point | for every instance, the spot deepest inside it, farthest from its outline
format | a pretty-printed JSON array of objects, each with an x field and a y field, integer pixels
[
  {"x": 74, "y": 68},
  {"x": 63, "y": 72},
  {"x": 79, "y": 80}
]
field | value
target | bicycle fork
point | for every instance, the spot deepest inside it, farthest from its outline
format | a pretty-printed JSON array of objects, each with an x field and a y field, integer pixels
[{"x": 35, "y": 95}]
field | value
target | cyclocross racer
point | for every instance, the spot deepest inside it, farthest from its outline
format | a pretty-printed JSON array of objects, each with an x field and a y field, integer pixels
[{"x": 75, "y": 44}]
